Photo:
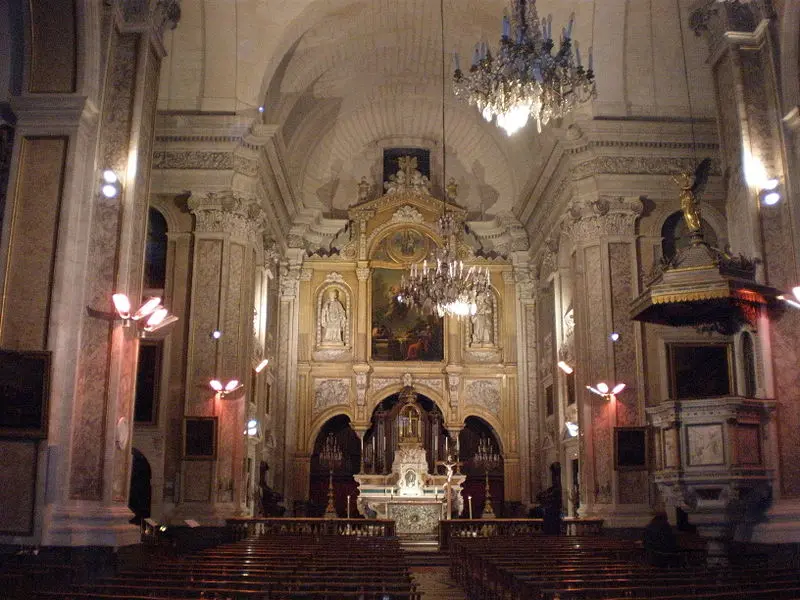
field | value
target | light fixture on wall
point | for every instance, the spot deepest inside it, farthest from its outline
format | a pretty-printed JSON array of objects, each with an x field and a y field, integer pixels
[
  {"x": 149, "y": 317},
  {"x": 110, "y": 185},
  {"x": 602, "y": 389},
  {"x": 252, "y": 429},
  {"x": 441, "y": 285},
  {"x": 525, "y": 79},
  {"x": 564, "y": 366},
  {"x": 223, "y": 390},
  {"x": 792, "y": 299},
  {"x": 261, "y": 365},
  {"x": 769, "y": 193}
]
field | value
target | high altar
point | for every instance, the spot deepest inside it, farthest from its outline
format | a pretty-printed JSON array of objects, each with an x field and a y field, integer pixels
[{"x": 410, "y": 495}]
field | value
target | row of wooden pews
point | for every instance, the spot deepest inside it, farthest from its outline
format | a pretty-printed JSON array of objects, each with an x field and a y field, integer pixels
[
  {"x": 265, "y": 567},
  {"x": 561, "y": 568}
]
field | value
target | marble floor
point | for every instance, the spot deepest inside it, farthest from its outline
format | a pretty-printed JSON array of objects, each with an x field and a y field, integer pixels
[{"x": 435, "y": 583}]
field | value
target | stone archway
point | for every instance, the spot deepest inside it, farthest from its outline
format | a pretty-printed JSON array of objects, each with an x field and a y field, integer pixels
[
  {"x": 343, "y": 483},
  {"x": 475, "y": 430}
]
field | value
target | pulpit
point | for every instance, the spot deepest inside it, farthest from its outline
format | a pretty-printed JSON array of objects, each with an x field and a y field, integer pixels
[{"x": 409, "y": 494}]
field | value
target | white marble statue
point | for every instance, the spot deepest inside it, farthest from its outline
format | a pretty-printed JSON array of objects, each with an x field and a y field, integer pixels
[
  {"x": 481, "y": 323},
  {"x": 333, "y": 319}
]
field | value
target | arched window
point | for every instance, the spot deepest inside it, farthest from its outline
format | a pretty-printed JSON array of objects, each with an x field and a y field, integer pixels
[
  {"x": 155, "y": 254},
  {"x": 675, "y": 235}
]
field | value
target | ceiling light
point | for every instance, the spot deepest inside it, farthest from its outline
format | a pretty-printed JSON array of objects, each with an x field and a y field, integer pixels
[{"x": 525, "y": 79}]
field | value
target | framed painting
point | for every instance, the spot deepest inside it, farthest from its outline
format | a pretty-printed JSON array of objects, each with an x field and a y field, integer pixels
[
  {"x": 630, "y": 448},
  {"x": 24, "y": 393},
  {"x": 399, "y": 332},
  {"x": 199, "y": 438}
]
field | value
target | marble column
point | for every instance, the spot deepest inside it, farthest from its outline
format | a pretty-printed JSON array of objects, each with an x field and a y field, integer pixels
[
  {"x": 60, "y": 230},
  {"x": 742, "y": 41},
  {"x": 528, "y": 382},
  {"x": 603, "y": 234},
  {"x": 227, "y": 238},
  {"x": 286, "y": 394}
]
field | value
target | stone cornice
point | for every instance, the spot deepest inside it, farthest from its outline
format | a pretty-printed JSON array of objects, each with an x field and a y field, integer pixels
[{"x": 582, "y": 159}]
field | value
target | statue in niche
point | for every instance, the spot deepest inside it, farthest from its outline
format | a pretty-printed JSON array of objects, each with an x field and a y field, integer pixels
[
  {"x": 482, "y": 322},
  {"x": 333, "y": 320}
]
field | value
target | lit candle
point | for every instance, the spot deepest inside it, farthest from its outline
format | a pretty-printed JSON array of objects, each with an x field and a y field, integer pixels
[
  {"x": 456, "y": 66},
  {"x": 469, "y": 501},
  {"x": 348, "y": 506},
  {"x": 446, "y": 447},
  {"x": 577, "y": 54},
  {"x": 569, "y": 26},
  {"x": 506, "y": 26},
  {"x": 591, "y": 59}
]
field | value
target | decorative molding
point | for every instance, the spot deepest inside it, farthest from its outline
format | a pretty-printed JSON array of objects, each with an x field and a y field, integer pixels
[
  {"x": 589, "y": 222},
  {"x": 193, "y": 159},
  {"x": 334, "y": 277},
  {"x": 378, "y": 383},
  {"x": 225, "y": 212},
  {"x": 485, "y": 393},
  {"x": 330, "y": 392},
  {"x": 407, "y": 214}
]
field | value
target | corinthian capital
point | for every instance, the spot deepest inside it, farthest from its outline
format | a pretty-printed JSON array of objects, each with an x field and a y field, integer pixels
[
  {"x": 602, "y": 217},
  {"x": 226, "y": 212}
]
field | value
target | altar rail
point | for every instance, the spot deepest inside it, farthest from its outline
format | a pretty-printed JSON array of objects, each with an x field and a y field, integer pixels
[
  {"x": 242, "y": 528},
  {"x": 511, "y": 527}
]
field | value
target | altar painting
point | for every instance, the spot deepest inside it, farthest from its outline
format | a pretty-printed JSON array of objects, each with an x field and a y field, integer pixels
[{"x": 400, "y": 332}]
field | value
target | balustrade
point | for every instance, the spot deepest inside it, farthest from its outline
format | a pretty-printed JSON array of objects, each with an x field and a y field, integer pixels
[
  {"x": 242, "y": 528},
  {"x": 482, "y": 528}
]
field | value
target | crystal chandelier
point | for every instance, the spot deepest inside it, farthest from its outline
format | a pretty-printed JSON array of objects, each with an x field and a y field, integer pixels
[
  {"x": 525, "y": 78},
  {"x": 445, "y": 286}
]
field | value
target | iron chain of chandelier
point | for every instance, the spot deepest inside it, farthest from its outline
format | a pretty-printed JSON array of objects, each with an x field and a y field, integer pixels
[{"x": 525, "y": 79}]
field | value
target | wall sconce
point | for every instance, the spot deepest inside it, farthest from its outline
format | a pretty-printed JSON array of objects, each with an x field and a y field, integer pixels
[
  {"x": 794, "y": 299},
  {"x": 572, "y": 429},
  {"x": 565, "y": 367},
  {"x": 261, "y": 365},
  {"x": 157, "y": 316},
  {"x": 252, "y": 429},
  {"x": 769, "y": 194},
  {"x": 603, "y": 390},
  {"x": 110, "y": 185},
  {"x": 224, "y": 390}
]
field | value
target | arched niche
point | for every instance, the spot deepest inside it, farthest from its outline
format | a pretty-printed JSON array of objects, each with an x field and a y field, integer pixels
[
  {"x": 334, "y": 322},
  {"x": 475, "y": 430},
  {"x": 155, "y": 252},
  {"x": 344, "y": 485},
  {"x": 387, "y": 426}
]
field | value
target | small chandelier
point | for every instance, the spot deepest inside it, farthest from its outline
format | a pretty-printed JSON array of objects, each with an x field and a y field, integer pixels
[
  {"x": 444, "y": 287},
  {"x": 525, "y": 79}
]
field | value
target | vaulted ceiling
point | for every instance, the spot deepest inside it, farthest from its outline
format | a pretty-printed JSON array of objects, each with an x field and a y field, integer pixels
[{"x": 344, "y": 79}]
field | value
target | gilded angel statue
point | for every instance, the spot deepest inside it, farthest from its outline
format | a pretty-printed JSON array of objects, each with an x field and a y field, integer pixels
[{"x": 691, "y": 186}]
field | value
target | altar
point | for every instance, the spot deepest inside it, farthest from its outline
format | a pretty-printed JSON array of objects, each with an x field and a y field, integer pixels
[{"x": 415, "y": 499}]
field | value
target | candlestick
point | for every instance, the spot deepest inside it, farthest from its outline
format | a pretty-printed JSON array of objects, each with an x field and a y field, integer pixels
[
  {"x": 446, "y": 447},
  {"x": 348, "y": 506},
  {"x": 469, "y": 501}
]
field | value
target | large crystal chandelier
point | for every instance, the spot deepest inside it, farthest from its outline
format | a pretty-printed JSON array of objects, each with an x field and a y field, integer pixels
[{"x": 525, "y": 78}]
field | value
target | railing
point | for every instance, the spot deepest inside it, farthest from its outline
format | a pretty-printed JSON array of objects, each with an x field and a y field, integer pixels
[
  {"x": 242, "y": 528},
  {"x": 511, "y": 527}
]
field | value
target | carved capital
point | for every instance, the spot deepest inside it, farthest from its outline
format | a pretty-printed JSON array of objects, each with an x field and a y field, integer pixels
[
  {"x": 289, "y": 281},
  {"x": 362, "y": 273},
  {"x": 713, "y": 19},
  {"x": 603, "y": 217},
  {"x": 226, "y": 212}
]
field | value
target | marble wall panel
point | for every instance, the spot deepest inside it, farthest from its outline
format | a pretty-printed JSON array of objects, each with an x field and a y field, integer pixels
[
  {"x": 18, "y": 486},
  {"x": 619, "y": 257},
  {"x": 197, "y": 483},
  {"x": 52, "y": 25},
  {"x": 597, "y": 339},
  {"x": 33, "y": 241},
  {"x": 205, "y": 315},
  {"x": 86, "y": 475}
]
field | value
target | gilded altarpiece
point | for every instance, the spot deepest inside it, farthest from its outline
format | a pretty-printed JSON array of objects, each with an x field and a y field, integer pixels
[{"x": 373, "y": 346}]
